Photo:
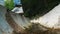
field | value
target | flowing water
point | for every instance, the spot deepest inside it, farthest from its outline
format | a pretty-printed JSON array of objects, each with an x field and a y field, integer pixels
[
  {"x": 51, "y": 19},
  {"x": 5, "y": 28},
  {"x": 20, "y": 20}
]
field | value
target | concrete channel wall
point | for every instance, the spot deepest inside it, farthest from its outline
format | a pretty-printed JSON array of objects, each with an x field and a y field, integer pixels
[{"x": 4, "y": 26}]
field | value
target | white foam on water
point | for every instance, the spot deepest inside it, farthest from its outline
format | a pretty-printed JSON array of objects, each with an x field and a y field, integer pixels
[
  {"x": 18, "y": 10},
  {"x": 51, "y": 19}
]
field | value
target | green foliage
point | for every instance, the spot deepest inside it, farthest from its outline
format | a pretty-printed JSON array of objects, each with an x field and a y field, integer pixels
[
  {"x": 9, "y": 4},
  {"x": 37, "y": 7}
]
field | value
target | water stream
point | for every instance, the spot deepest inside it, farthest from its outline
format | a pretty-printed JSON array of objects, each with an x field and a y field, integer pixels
[{"x": 51, "y": 19}]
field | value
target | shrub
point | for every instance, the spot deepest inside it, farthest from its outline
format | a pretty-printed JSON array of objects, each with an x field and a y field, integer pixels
[
  {"x": 37, "y": 7},
  {"x": 9, "y": 4}
]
